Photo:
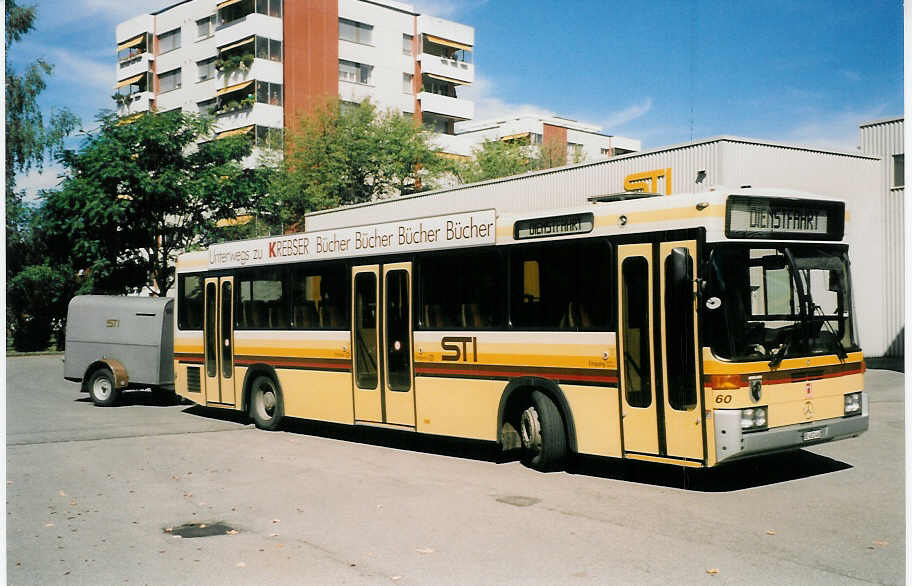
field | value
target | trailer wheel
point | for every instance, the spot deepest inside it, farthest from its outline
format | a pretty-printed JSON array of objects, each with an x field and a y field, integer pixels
[
  {"x": 102, "y": 389},
  {"x": 266, "y": 407},
  {"x": 541, "y": 430}
]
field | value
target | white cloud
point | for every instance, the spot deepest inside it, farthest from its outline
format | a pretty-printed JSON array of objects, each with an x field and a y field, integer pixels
[
  {"x": 34, "y": 181},
  {"x": 833, "y": 130},
  {"x": 56, "y": 12},
  {"x": 628, "y": 114},
  {"x": 75, "y": 68}
]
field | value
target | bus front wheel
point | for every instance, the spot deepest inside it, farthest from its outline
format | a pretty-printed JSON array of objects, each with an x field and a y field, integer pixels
[
  {"x": 541, "y": 430},
  {"x": 266, "y": 407}
]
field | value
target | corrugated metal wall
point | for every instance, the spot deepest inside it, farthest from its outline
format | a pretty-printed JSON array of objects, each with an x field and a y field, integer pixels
[{"x": 885, "y": 139}]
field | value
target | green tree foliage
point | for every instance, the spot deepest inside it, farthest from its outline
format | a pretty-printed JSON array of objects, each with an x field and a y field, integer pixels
[
  {"x": 337, "y": 156},
  {"x": 28, "y": 138},
  {"x": 495, "y": 158},
  {"x": 138, "y": 193}
]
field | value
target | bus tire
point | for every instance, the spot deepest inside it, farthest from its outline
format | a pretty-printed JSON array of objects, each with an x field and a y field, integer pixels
[
  {"x": 102, "y": 389},
  {"x": 266, "y": 408},
  {"x": 541, "y": 430}
]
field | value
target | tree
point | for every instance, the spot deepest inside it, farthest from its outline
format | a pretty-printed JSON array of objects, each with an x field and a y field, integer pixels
[
  {"x": 343, "y": 155},
  {"x": 497, "y": 158},
  {"x": 28, "y": 139},
  {"x": 138, "y": 193}
]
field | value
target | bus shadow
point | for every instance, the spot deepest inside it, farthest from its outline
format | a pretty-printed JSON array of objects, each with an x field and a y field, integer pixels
[
  {"x": 741, "y": 475},
  {"x": 401, "y": 440},
  {"x": 387, "y": 438}
]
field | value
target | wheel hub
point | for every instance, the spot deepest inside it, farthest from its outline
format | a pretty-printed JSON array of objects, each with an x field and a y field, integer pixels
[
  {"x": 102, "y": 388},
  {"x": 530, "y": 430}
]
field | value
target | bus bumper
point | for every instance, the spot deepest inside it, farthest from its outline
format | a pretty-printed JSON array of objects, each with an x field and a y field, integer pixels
[{"x": 732, "y": 445}]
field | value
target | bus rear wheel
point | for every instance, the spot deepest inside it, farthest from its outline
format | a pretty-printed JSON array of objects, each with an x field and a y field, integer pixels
[
  {"x": 266, "y": 407},
  {"x": 541, "y": 430}
]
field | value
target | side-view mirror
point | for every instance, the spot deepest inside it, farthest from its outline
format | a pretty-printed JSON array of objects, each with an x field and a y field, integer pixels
[{"x": 681, "y": 269}]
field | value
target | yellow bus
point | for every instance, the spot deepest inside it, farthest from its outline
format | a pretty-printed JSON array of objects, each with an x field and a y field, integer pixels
[{"x": 692, "y": 330}]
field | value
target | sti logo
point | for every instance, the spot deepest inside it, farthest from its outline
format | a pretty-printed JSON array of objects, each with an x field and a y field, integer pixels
[
  {"x": 648, "y": 181},
  {"x": 112, "y": 323}
]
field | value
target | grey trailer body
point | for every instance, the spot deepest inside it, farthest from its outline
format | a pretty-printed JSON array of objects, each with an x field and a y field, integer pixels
[{"x": 114, "y": 343}]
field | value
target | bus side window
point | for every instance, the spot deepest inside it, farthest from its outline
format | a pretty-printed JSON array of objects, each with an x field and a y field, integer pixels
[{"x": 635, "y": 324}]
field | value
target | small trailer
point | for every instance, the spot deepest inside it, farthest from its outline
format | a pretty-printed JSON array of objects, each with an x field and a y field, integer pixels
[{"x": 118, "y": 343}]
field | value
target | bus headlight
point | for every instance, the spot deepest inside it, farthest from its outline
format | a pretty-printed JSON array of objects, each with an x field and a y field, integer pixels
[
  {"x": 853, "y": 404},
  {"x": 753, "y": 419}
]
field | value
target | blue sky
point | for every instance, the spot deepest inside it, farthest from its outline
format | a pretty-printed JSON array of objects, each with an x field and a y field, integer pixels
[{"x": 805, "y": 72}]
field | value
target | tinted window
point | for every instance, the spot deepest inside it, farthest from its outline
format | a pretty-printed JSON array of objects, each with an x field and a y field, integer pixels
[
  {"x": 561, "y": 286},
  {"x": 190, "y": 303},
  {"x": 462, "y": 291},
  {"x": 262, "y": 300},
  {"x": 636, "y": 331},
  {"x": 319, "y": 298}
]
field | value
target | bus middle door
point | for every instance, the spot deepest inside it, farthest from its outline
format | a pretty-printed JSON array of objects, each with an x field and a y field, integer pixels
[{"x": 382, "y": 361}]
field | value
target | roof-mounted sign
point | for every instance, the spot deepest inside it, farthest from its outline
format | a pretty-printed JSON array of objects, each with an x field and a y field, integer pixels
[
  {"x": 438, "y": 232},
  {"x": 553, "y": 226}
]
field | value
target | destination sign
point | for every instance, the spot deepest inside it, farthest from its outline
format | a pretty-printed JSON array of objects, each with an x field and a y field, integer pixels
[
  {"x": 438, "y": 232},
  {"x": 800, "y": 219},
  {"x": 553, "y": 226}
]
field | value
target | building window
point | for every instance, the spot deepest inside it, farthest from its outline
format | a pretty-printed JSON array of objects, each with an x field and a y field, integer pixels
[
  {"x": 407, "y": 86},
  {"x": 268, "y": 49},
  {"x": 206, "y": 69},
  {"x": 269, "y": 7},
  {"x": 356, "y": 32},
  {"x": 207, "y": 106},
  {"x": 407, "y": 42},
  {"x": 441, "y": 88},
  {"x": 354, "y": 72},
  {"x": 169, "y": 41},
  {"x": 267, "y": 137},
  {"x": 205, "y": 27},
  {"x": 170, "y": 80},
  {"x": 269, "y": 93},
  {"x": 609, "y": 152},
  {"x": 899, "y": 170}
]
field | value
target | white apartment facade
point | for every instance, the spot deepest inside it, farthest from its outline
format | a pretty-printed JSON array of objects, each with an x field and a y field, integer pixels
[
  {"x": 579, "y": 141},
  {"x": 257, "y": 65}
]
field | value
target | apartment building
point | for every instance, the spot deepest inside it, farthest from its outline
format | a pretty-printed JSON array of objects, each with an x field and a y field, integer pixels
[
  {"x": 257, "y": 65},
  {"x": 569, "y": 140}
]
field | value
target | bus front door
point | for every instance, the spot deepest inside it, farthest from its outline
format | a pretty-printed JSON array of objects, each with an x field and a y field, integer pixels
[
  {"x": 657, "y": 348},
  {"x": 382, "y": 362},
  {"x": 218, "y": 339}
]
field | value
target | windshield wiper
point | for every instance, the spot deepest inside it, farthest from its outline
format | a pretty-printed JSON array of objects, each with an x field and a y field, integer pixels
[
  {"x": 840, "y": 349},
  {"x": 780, "y": 352}
]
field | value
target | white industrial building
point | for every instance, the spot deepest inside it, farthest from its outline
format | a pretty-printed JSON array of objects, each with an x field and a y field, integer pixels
[{"x": 697, "y": 167}]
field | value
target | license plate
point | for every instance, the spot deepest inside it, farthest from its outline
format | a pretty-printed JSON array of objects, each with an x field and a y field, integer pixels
[{"x": 813, "y": 434}]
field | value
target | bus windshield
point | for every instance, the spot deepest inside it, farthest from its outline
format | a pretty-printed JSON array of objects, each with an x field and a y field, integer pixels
[{"x": 769, "y": 302}]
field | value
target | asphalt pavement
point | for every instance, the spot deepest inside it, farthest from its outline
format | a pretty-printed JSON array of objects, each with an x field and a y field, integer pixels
[{"x": 156, "y": 493}]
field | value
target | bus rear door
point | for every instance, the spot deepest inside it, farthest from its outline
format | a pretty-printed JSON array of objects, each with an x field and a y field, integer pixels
[{"x": 218, "y": 340}]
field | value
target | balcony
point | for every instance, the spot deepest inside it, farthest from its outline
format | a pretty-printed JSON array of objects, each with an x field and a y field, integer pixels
[
  {"x": 447, "y": 106},
  {"x": 134, "y": 65},
  {"x": 262, "y": 69},
  {"x": 135, "y": 103},
  {"x": 257, "y": 114},
  {"x": 456, "y": 71},
  {"x": 350, "y": 91},
  {"x": 251, "y": 24}
]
